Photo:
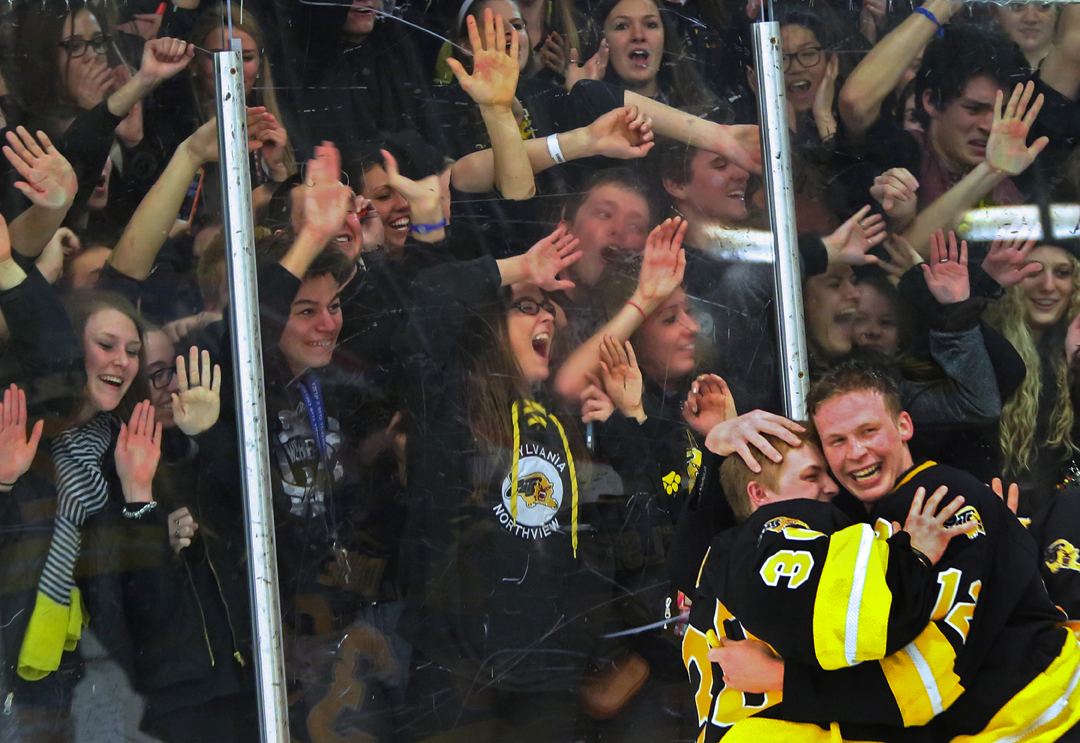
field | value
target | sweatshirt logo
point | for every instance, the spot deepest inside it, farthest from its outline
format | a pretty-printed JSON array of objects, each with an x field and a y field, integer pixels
[{"x": 539, "y": 494}]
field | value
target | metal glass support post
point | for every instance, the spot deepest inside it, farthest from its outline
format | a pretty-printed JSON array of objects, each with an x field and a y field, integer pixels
[
  {"x": 776, "y": 166},
  {"x": 250, "y": 397}
]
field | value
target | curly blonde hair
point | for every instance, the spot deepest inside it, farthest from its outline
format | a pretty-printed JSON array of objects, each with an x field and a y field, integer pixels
[{"x": 1016, "y": 436}]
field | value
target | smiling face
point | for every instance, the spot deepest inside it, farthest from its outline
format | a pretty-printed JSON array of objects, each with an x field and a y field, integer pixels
[
  {"x": 716, "y": 191},
  {"x": 393, "y": 207},
  {"x": 612, "y": 222},
  {"x": 1047, "y": 294},
  {"x": 161, "y": 355},
  {"x": 635, "y": 36},
  {"x": 804, "y": 475},
  {"x": 74, "y": 71},
  {"x": 801, "y": 82},
  {"x": 865, "y": 444},
  {"x": 830, "y": 301},
  {"x": 876, "y": 325},
  {"x": 314, "y": 324},
  {"x": 218, "y": 41},
  {"x": 666, "y": 342},
  {"x": 1030, "y": 25},
  {"x": 360, "y": 21},
  {"x": 111, "y": 347},
  {"x": 531, "y": 335},
  {"x": 959, "y": 132}
]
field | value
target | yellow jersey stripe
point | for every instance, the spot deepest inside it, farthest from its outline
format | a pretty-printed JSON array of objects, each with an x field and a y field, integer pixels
[
  {"x": 851, "y": 609},
  {"x": 1020, "y": 719},
  {"x": 921, "y": 677},
  {"x": 924, "y": 466}
]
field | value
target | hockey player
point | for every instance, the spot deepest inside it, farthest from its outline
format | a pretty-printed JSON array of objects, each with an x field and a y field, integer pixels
[{"x": 792, "y": 566}]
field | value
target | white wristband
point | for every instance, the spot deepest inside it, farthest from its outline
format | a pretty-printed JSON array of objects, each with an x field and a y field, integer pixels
[{"x": 554, "y": 150}]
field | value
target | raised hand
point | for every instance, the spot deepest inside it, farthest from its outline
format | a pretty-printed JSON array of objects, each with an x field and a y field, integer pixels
[
  {"x": 197, "y": 406},
  {"x": 425, "y": 196},
  {"x": 741, "y": 144},
  {"x": 737, "y": 435},
  {"x": 327, "y": 200},
  {"x": 138, "y": 450},
  {"x": 371, "y": 226},
  {"x": 595, "y": 404},
  {"x": 895, "y": 190},
  {"x": 163, "y": 58},
  {"x": 1012, "y": 500},
  {"x": 49, "y": 180},
  {"x": 204, "y": 142},
  {"x": 854, "y": 237},
  {"x": 947, "y": 272},
  {"x": 708, "y": 404},
  {"x": 622, "y": 133},
  {"x": 16, "y": 450},
  {"x": 904, "y": 257},
  {"x": 1006, "y": 149},
  {"x": 182, "y": 528},
  {"x": 929, "y": 535},
  {"x": 663, "y": 264},
  {"x": 823, "y": 99},
  {"x": 622, "y": 377},
  {"x": 594, "y": 69},
  {"x": 275, "y": 144},
  {"x": 547, "y": 258},
  {"x": 494, "y": 78},
  {"x": 1007, "y": 261}
]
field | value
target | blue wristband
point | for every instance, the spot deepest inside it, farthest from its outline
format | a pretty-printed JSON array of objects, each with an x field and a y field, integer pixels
[
  {"x": 423, "y": 229},
  {"x": 928, "y": 14}
]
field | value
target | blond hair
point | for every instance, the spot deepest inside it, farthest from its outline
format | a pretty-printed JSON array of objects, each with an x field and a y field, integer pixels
[{"x": 1016, "y": 432}]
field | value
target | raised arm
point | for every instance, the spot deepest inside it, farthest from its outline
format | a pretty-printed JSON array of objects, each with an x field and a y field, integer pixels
[
  {"x": 1007, "y": 154},
  {"x": 492, "y": 85},
  {"x": 661, "y": 274},
  {"x": 1061, "y": 68},
  {"x": 48, "y": 181},
  {"x": 156, "y": 215},
  {"x": 740, "y": 144},
  {"x": 162, "y": 58},
  {"x": 881, "y": 70},
  {"x": 622, "y": 133}
]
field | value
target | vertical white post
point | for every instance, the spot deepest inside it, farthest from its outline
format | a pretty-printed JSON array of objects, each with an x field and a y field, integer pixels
[
  {"x": 776, "y": 166},
  {"x": 250, "y": 397}
]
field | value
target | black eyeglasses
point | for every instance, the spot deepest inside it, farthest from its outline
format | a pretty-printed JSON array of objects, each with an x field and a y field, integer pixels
[
  {"x": 76, "y": 46},
  {"x": 162, "y": 378},
  {"x": 807, "y": 58},
  {"x": 532, "y": 307}
]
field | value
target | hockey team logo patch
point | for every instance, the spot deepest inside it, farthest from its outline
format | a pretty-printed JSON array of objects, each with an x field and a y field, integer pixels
[
  {"x": 782, "y": 522},
  {"x": 1061, "y": 555},
  {"x": 539, "y": 494},
  {"x": 966, "y": 515}
]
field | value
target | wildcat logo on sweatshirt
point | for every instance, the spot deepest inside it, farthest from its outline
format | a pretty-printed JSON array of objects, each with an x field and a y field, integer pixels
[{"x": 539, "y": 494}]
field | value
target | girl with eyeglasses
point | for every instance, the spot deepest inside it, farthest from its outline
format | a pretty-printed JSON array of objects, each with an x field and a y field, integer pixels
[
  {"x": 501, "y": 562},
  {"x": 77, "y": 93}
]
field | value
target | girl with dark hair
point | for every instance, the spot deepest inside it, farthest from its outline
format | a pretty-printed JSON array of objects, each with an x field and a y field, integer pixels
[
  {"x": 501, "y": 575},
  {"x": 75, "y": 96},
  {"x": 647, "y": 54}
]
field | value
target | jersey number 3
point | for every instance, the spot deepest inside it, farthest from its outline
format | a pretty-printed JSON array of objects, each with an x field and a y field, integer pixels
[{"x": 796, "y": 566}]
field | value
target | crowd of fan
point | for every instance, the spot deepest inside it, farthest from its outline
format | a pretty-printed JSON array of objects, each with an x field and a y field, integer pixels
[{"x": 511, "y": 309}]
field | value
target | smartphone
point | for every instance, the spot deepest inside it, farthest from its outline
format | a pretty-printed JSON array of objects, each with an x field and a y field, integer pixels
[{"x": 191, "y": 199}]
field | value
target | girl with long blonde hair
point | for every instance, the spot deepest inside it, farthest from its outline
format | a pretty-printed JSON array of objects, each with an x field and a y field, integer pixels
[{"x": 1035, "y": 436}]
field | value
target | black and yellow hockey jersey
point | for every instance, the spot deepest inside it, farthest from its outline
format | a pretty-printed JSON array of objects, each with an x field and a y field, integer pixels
[
  {"x": 1056, "y": 530},
  {"x": 823, "y": 593}
]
